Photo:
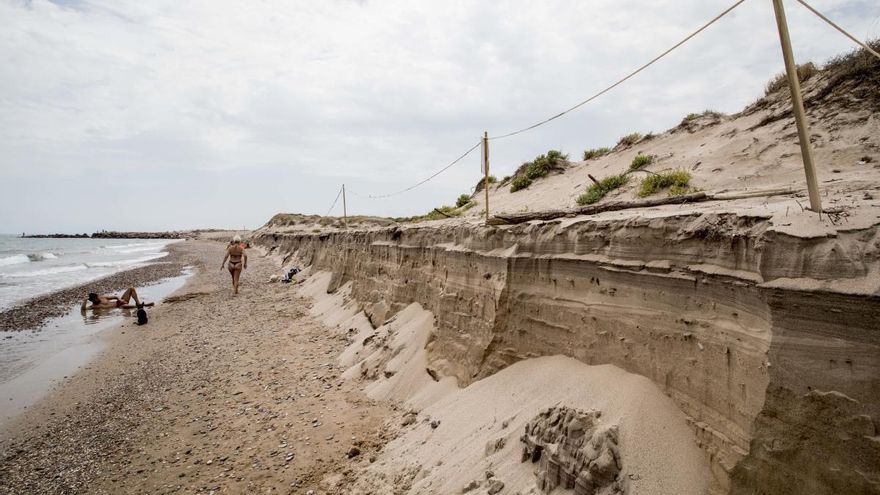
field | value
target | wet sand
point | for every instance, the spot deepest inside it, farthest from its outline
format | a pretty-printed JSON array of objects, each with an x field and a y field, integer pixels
[{"x": 218, "y": 393}]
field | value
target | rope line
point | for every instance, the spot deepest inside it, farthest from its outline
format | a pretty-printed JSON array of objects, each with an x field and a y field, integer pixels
[
  {"x": 334, "y": 202},
  {"x": 621, "y": 81},
  {"x": 410, "y": 188},
  {"x": 835, "y": 26}
]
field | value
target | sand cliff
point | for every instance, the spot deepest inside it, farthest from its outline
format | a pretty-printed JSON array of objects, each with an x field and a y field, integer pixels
[{"x": 767, "y": 342}]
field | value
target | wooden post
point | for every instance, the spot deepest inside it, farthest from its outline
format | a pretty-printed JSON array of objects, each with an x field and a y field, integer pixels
[
  {"x": 344, "y": 209},
  {"x": 797, "y": 104},
  {"x": 486, "y": 171}
]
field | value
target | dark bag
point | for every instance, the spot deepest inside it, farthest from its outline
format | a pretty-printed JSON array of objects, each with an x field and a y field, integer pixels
[{"x": 142, "y": 315}]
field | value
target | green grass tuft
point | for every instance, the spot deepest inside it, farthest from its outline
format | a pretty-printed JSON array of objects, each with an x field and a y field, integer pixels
[
  {"x": 480, "y": 183},
  {"x": 598, "y": 191},
  {"x": 676, "y": 180},
  {"x": 640, "y": 161},
  {"x": 462, "y": 200},
  {"x": 629, "y": 139},
  {"x": 539, "y": 167},
  {"x": 520, "y": 182},
  {"x": 595, "y": 153}
]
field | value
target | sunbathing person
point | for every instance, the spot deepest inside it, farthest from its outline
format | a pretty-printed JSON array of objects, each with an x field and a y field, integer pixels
[{"x": 110, "y": 302}]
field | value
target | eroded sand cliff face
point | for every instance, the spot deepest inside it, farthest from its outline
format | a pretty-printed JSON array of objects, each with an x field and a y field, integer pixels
[{"x": 769, "y": 343}]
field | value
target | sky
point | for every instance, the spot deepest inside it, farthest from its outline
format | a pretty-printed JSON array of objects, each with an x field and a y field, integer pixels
[{"x": 164, "y": 114}]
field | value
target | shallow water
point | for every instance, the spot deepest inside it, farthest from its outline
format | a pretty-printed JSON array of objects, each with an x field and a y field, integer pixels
[{"x": 33, "y": 362}]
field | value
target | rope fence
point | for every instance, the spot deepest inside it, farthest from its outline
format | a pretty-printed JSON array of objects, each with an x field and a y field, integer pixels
[{"x": 630, "y": 75}]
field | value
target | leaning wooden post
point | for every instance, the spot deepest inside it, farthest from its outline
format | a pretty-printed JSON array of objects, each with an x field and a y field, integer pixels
[
  {"x": 344, "y": 209},
  {"x": 486, "y": 171},
  {"x": 797, "y": 104}
]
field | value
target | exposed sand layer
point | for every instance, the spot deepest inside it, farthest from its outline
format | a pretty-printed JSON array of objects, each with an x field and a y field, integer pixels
[
  {"x": 217, "y": 393},
  {"x": 739, "y": 321}
]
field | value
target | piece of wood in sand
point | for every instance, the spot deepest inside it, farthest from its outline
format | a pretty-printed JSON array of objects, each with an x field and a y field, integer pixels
[{"x": 514, "y": 218}]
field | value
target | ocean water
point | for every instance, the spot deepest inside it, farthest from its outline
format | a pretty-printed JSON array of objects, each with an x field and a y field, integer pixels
[{"x": 33, "y": 267}]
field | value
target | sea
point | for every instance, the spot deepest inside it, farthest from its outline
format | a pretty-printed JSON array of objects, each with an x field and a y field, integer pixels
[{"x": 32, "y": 267}]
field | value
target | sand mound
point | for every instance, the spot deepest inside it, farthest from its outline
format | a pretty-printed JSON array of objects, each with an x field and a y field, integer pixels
[{"x": 470, "y": 432}]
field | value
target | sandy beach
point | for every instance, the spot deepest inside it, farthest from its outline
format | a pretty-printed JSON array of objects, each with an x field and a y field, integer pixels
[{"x": 218, "y": 393}]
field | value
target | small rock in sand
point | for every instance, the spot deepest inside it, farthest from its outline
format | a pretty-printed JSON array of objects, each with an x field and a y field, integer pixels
[
  {"x": 495, "y": 486},
  {"x": 473, "y": 485}
]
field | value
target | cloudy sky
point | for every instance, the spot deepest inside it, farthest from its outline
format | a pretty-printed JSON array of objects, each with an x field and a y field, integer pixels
[{"x": 167, "y": 114}]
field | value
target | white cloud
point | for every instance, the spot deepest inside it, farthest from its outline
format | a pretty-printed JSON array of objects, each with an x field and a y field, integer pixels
[{"x": 379, "y": 94}]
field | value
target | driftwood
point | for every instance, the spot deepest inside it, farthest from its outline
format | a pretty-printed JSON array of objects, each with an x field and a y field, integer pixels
[
  {"x": 729, "y": 195},
  {"x": 444, "y": 214},
  {"x": 514, "y": 218}
]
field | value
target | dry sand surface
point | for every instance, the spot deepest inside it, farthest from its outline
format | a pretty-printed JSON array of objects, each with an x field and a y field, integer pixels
[{"x": 217, "y": 394}]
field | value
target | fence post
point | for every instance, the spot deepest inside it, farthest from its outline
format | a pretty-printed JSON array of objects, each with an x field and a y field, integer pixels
[
  {"x": 486, "y": 171},
  {"x": 344, "y": 209},
  {"x": 797, "y": 104}
]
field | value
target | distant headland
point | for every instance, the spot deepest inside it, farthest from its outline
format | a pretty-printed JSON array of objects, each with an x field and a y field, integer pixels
[{"x": 112, "y": 234}]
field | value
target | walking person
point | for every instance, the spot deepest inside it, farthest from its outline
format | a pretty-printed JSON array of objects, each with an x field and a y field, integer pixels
[{"x": 237, "y": 257}]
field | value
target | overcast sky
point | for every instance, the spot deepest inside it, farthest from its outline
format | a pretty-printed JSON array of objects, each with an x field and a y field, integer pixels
[{"x": 156, "y": 115}]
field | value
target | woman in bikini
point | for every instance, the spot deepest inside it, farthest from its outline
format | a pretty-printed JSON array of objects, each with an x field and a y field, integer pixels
[
  {"x": 237, "y": 261},
  {"x": 109, "y": 302}
]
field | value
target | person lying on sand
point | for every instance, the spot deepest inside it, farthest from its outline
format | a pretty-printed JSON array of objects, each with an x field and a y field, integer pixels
[
  {"x": 237, "y": 256},
  {"x": 109, "y": 302}
]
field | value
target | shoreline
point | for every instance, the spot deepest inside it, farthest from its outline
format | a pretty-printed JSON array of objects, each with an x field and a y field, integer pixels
[
  {"x": 33, "y": 363},
  {"x": 218, "y": 393},
  {"x": 34, "y": 313}
]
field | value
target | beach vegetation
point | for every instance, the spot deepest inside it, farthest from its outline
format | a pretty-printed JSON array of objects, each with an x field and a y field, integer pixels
[
  {"x": 780, "y": 81},
  {"x": 705, "y": 113},
  {"x": 855, "y": 60},
  {"x": 520, "y": 182},
  {"x": 537, "y": 168},
  {"x": 629, "y": 140},
  {"x": 598, "y": 191},
  {"x": 595, "y": 153},
  {"x": 640, "y": 161},
  {"x": 462, "y": 200},
  {"x": 677, "y": 181},
  {"x": 482, "y": 181}
]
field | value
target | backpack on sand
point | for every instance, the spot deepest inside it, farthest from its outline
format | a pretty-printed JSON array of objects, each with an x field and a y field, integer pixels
[{"x": 141, "y": 315}]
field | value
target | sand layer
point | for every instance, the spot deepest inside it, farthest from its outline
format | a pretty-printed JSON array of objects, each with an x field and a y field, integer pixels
[{"x": 737, "y": 320}]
